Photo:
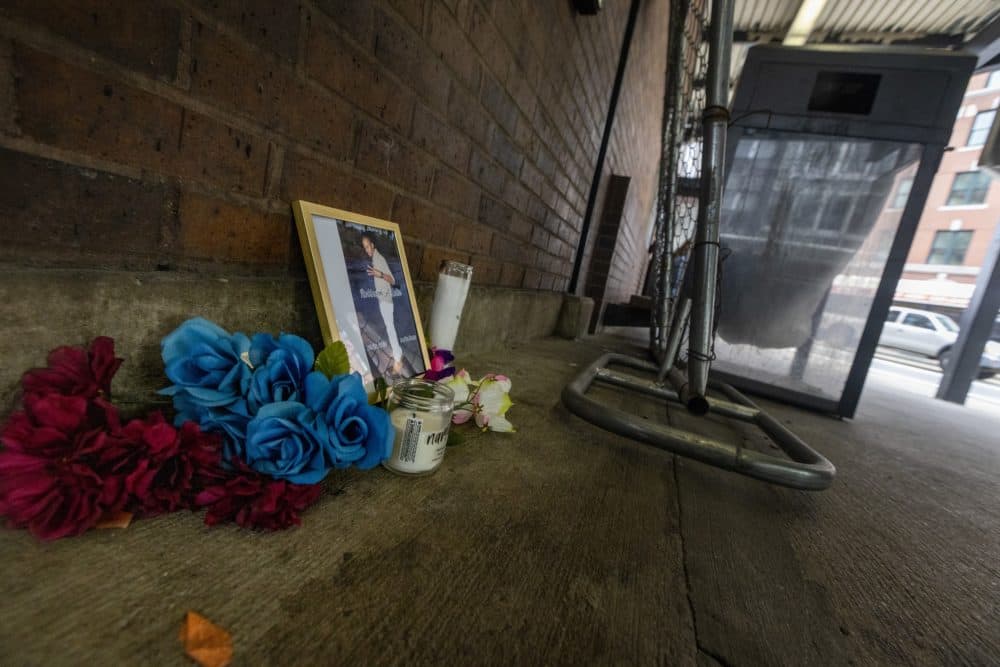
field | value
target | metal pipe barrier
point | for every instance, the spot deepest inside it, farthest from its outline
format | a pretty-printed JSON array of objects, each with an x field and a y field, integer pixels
[
  {"x": 804, "y": 468},
  {"x": 706, "y": 248}
]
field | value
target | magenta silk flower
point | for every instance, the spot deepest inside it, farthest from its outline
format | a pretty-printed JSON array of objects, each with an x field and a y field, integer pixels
[{"x": 440, "y": 365}]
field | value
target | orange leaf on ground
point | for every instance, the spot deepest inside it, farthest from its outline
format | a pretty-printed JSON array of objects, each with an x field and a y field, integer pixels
[
  {"x": 117, "y": 520},
  {"x": 206, "y": 643}
]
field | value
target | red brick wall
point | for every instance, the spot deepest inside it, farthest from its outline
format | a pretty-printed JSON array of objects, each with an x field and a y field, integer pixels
[{"x": 172, "y": 134}]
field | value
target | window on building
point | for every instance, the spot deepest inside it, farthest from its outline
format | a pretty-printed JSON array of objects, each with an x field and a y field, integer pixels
[
  {"x": 981, "y": 127},
  {"x": 994, "y": 80},
  {"x": 838, "y": 208},
  {"x": 949, "y": 247},
  {"x": 902, "y": 193},
  {"x": 968, "y": 188}
]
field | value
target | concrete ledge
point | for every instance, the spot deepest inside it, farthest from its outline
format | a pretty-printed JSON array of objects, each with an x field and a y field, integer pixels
[
  {"x": 574, "y": 316},
  {"x": 40, "y": 309}
]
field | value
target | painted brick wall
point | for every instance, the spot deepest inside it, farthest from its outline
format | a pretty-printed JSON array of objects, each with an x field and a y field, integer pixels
[{"x": 172, "y": 134}]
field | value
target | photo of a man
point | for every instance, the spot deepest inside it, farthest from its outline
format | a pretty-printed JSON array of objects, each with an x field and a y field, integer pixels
[
  {"x": 382, "y": 305},
  {"x": 362, "y": 292},
  {"x": 384, "y": 281}
]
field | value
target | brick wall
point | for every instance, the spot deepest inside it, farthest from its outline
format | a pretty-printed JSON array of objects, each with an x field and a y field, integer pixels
[
  {"x": 634, "y": 149},
  {"x": 172, "y": 134}
]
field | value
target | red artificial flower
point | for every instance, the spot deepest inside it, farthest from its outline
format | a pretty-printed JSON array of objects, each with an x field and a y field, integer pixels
[
  {"x": 158, "y": 462},
  {"x": 253, "y": 500},
  {"x": 47, "y": 483},
  {"x": 74, "y": 371}
]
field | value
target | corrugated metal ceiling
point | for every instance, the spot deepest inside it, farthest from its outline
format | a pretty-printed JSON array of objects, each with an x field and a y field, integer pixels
[
  {"x": 767, "y": 16},
  {"x": 870, "y": 20}
]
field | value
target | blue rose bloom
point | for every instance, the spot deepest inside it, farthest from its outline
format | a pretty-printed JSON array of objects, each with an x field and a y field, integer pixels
[
  {"x": 231, "y": 421},
  {"x": 209, "y": 366},
  {"x": 281, "y": 442},
  {"x": 280, "y": 369},
  {"x": 352, "y": 431}
]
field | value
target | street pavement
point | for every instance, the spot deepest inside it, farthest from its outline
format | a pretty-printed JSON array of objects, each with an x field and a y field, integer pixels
[{"x": 921, "y": 376}]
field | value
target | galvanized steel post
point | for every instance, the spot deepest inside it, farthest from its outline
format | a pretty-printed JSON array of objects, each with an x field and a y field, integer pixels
[{"x": 706, "y": 248}]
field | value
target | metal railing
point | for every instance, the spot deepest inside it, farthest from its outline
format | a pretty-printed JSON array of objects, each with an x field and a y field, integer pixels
[{"x": 694, "y": 86}]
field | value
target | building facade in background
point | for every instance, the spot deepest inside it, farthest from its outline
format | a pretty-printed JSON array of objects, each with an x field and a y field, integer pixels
[{"x": 961, "y": 213}]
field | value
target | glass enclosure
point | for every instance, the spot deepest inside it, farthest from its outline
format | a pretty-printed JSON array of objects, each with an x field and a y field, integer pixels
[{"x": 807, "y": 225}]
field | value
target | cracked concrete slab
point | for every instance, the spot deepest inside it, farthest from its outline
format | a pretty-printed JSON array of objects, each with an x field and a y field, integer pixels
[{"x": 563, "y": 544}]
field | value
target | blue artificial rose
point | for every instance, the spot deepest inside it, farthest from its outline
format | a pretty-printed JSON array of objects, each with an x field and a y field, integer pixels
[
  {"x": 209, "y": 366},
  {"x": 231, "y": 421},
  {"x": 281, "y": 442},
  {"x": 280, "y": 369},
  {"x": 351, "y": 430}
]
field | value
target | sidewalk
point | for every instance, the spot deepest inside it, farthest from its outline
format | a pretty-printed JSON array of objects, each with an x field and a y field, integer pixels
[{"x": 564, "y": 544}]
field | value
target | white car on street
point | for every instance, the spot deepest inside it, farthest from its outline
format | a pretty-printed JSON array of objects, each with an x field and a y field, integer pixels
[{"x": 932, "y": 334}]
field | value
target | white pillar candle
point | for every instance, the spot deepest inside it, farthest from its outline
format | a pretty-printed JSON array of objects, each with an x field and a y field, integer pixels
[{"x": 449, "y": 300}]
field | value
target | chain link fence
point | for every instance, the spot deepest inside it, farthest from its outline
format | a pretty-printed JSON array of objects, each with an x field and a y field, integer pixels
[{"x": 681, "y": 150}]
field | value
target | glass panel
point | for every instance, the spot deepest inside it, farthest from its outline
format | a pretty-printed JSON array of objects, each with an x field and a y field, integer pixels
[
  {"x": 915, "y": 320},
  {"x": 891, "y": 317},
  {"x": 805, "y": 260},
  {"x": 981, "y": 128},
  {"x": 902, "y": 193},
  {"x": 969, "y": 188},
  {"x": 948, "y": 323},
  {"x": 949, "y": 247}
]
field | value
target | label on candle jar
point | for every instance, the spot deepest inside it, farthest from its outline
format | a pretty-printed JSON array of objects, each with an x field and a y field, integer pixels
[{"x": 418, "y": 446}]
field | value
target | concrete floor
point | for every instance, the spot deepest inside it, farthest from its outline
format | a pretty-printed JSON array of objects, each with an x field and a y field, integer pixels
[{"x": 564, "y": 544}]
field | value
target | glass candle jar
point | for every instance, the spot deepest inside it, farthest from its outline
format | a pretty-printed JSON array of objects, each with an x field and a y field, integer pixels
[
  {"x": 454, "y": 279},
  {"x": 420, "y": 410}
]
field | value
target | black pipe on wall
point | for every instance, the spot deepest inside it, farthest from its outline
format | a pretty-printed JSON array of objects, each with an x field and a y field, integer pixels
[{"x": 602, "y": 153}]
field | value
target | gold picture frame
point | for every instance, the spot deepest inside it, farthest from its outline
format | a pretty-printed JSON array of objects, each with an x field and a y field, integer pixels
[{"x": 359, "y": 276}]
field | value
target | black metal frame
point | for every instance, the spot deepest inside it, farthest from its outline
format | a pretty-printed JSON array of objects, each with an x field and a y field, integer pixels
[{"x": 933, "y": 137}]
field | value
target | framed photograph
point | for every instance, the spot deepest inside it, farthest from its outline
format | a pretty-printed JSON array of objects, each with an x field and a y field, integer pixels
[{"x": 362, "y": 290}]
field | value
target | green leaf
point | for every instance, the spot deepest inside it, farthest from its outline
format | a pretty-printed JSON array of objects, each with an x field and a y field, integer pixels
[{"x": 333, "y": 360}]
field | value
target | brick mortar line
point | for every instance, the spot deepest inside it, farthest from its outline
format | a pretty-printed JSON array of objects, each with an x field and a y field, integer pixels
[
  {"x": 185, "y": 46},
  {"x": 162, "y": 276},
  {"x": 185, "y": 277},
  {"x": 29, "y": 146},
  {"x": 506, "y": 88},
  {"x": 302, "y": 77},
  {"x": 455, "y": 80},
  {"x": 392, "y": 76},
  {"x": 79, "y": 56},
  {"x": 507, "y": 44}
]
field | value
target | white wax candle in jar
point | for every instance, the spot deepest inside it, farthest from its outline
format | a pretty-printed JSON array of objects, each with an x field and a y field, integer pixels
[
  {"x": 420, "y": 411},
  {"x": 452, "y": 289}
]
